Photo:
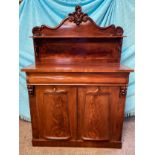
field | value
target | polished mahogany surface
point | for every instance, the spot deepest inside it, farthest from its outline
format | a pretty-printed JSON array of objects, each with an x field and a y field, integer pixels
[
  {"x": 77, "y": 67},
  {"x": 77, "y": 87},
  {"x": 77, "y": 39}
]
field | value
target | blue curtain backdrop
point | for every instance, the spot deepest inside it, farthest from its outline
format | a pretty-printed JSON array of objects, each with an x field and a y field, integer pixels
[{"x": 51, "y": 12}]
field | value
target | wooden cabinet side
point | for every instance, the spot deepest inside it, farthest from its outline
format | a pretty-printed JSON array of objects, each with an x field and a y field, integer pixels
[{"x": 33, "y": 111}]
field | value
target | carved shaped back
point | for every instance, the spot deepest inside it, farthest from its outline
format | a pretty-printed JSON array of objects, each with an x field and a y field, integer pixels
[{"x": 77, "y": 39}]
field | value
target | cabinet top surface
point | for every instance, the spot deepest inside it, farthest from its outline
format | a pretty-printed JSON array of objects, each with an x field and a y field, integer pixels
[{"x": 79, "y": 67}]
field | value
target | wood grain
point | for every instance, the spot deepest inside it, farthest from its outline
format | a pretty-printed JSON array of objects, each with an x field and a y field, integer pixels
[
  {"x": 56, "y": 108},
  {"x": 77, "y": 87},
  {"x": 96, "y": 110},
  {"x": 81, "y": 40}
]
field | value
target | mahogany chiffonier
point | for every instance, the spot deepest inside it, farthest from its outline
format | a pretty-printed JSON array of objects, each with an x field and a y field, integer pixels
[{"x": 77, "y": 87}]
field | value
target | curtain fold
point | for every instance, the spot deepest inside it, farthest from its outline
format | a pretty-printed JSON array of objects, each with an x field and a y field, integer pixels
[{"x": 51, "y": 12}]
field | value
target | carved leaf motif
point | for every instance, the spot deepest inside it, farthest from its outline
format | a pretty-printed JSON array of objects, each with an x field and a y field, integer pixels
[
  {"x": 123, "y": 91},
  {"x": 78, "y": 16},
  {"x": 30, "y": 89}
]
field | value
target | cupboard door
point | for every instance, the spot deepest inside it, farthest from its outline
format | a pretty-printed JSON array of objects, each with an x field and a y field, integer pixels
[
  {"x": 57, "y": 112},
  {"x": 97, "y": 110}
]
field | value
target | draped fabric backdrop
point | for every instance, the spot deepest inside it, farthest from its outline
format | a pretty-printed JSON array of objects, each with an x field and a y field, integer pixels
[{"x": 51, "y": 12}]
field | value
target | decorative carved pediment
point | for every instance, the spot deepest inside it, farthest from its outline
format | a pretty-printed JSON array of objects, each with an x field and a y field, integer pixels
[
  {"x": 78, "y": 16},
  {"x": 80, "y": 21}
]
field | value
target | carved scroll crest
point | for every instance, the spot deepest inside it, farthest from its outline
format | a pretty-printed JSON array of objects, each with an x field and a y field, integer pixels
[{"x": 78, "y": 16}]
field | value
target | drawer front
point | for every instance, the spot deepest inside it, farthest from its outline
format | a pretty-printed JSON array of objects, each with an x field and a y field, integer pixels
[{"x": 77, "y": 78}]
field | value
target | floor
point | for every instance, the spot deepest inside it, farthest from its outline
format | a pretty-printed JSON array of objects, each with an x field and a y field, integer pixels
[{"x": 128, "y": 147}]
